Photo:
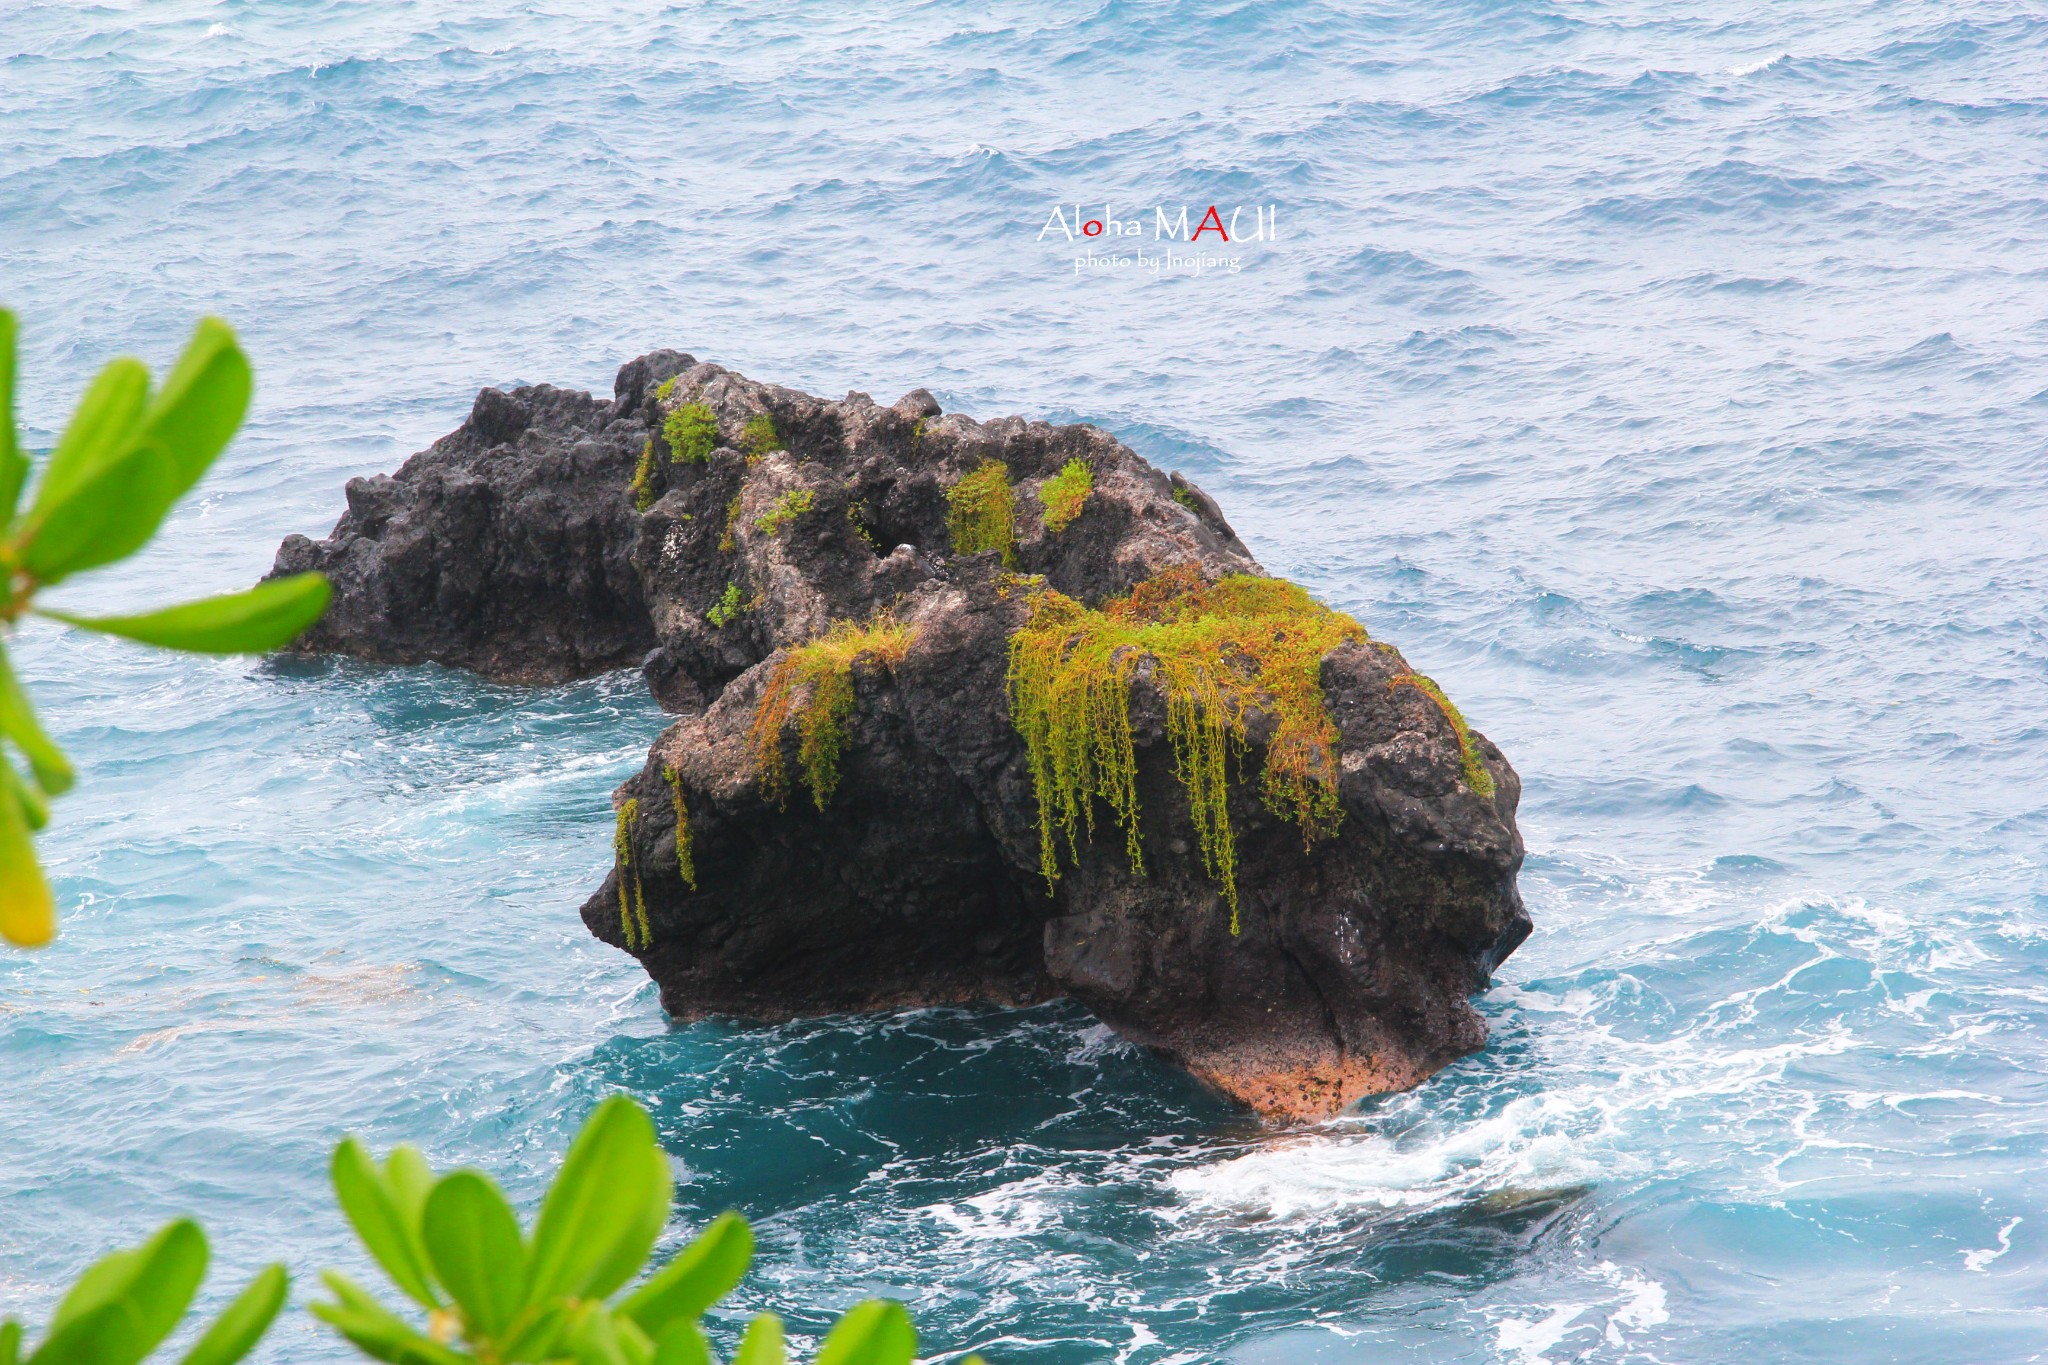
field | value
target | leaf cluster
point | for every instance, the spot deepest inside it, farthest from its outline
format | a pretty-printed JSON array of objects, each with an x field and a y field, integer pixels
[{"x": 131, "y": 450}]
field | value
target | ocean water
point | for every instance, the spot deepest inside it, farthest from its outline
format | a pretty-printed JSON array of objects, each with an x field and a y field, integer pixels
[{"x": 1669, "y": 379}]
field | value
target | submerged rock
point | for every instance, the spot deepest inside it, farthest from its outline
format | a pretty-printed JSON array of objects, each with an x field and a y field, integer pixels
[{"x": 1284, "y": 862}]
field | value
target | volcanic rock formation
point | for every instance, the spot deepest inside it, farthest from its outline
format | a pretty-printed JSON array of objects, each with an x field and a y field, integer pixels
[{"x": 965, "y": 711}]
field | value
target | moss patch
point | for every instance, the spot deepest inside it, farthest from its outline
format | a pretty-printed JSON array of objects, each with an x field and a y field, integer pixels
[
  {"x": 1219, "y": 650},
  {"x": 728, "y": 608},
  {"x": 981, "y": 512},
  {"x": 686, "y": 862},
  {"x": 1476, "y": 775},
  {"x": 666, "y": 389},
  {"x": 813, "y": 685},
  {"x": 1065, "y": 493},
  {"x": 785, "y": 509},
  {"x": 732, "y": 516},
  {"x": 632, "y": 913},
  {"x": 1186, "y": 499},
  {"x": 642, "y": 487},
  {"x": 759, "y": 435},
  {"x": 692, "y": 434}
]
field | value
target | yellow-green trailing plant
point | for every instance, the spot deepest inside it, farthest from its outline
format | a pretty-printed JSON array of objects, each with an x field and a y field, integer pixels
[
  {"x": 728, "y": 608},
  {"x": 642, "y": 486},
  {"x": 632, "y": 911},
  {"x": 981, "y": 512},
  {"x": 686, "y": 861},
  {"x": 760, "y": 436},
  {"x": 1476, "y": 775},
  {"x": 691, "y": 432},
  {"x": 666, "y": 388},
  {"x": 813, "y": 686},
  {"x": 785, "y": 509},
  {"x": 1065, "y": 493},
  {"x": 732, "y": 516},
  {"x": 1218, "y": 651}
]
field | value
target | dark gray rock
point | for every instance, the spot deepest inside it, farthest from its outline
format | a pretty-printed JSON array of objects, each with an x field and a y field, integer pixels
[{"x": 512, "y": 547}]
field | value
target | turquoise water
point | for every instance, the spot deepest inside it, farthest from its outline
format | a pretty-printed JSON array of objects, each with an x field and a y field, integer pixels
[{"x": 1667, "y": 379}]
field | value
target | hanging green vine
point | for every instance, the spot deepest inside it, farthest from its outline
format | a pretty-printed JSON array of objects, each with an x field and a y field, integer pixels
[
  {"x": 686, "y": 862},
  {"x": 1218, "y": 650},
  {"x": 1476, "y": 775},
  {"x": 982, "y": 513},
  {"x": 813, "y": 685},
  {"x": 632, "y": 914}
]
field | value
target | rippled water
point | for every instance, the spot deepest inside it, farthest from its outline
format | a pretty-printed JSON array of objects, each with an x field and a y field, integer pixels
[{"x": 1666, "y": 378}]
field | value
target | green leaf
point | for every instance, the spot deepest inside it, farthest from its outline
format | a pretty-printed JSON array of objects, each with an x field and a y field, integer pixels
[
  {"x": 636, "y": 1243},
  {"x": 376, "y": 1331},
  {"x": 683, "y": 1344},
  {"x": 237, "y": 1330},
  {"x": 201, "y": 404},
  {"x": 763, "y": 1343},
  {"x": 117, "y": 506},
  {"x": 102, "y": 427},
  {"x": 125, "y": 1304},
  {"x": 701, "y": 1274},
  {"x": 597, "y": 1205},
  {"x": 877, "y": 1332},
  {"x": 35, "y": 807},
  {"x": 594, "y": 1338},
  {"x": 385, "y": 1232},
  {"x": 410, "y": 1180},
  {"x": 10, "y": 1330},
  {"x": 28, "y": 916},
  {"x": 268, "y": 616},
  {"x": 472, "y": 1241},
  {"x": 105, "y": 1334},
  {"x": 13, "y": 464},
  {"x": 534, "y": 1338},
  {"x": 18, "y": 722}
]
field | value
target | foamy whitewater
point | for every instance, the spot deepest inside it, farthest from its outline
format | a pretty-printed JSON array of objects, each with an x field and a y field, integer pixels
[{"x": 1668, "y": 379}]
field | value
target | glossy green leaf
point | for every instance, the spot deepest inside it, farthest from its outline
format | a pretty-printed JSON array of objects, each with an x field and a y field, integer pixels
[
  {"x": 125, "y": 1304},
  {"x": 102, "y": 427},
  {"x": 535, "y": 1337},
  {"x": 242, "y": 1324},
  {"x": 117, "y": 506},
  {"x": 390, "y": 1237},
  {"x": 377, "y": 1332},
  {"x": 201, "y": 404},
  {"x": 763, "y": 1343},
  {"x": 13, "y": 470},
  {"x": 35, "y": 807},
  {"x": 683, "y": 1344},
  {"x": 598, "y": 1201},
  {"x": 877, "y": 1332},
  {"x": 28, "y": 914},
  {"x": 472, "y": 1241},
  {"x": 268, "y": 616},
  {"x": 410, "y": 1180},
  {"x": 18, "y": 722},
  {"x": 593, "y": 1338},
  {"x": 656, "y": 1186},
  {"x": 702, "y": 1273},
  {"x": 109, "y": 1333}
]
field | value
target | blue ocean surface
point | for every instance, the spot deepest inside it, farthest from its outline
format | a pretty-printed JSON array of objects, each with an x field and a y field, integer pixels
[{"x": 1669, "y": 378}]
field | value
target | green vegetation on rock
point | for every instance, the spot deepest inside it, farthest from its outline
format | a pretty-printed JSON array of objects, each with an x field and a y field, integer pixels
[
  {"x": 813, "y": 685},
  {"x": 1065, "y": 493},
  {"x": 1219, "y": 650},
  {"x": 784, "y": 510},
  {"x": 692, "y": 434},
  {"x": 982, "y": 512}
]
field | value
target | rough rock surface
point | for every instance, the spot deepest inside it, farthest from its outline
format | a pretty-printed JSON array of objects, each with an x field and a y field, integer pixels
[{"x": 513, "y": 547}]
